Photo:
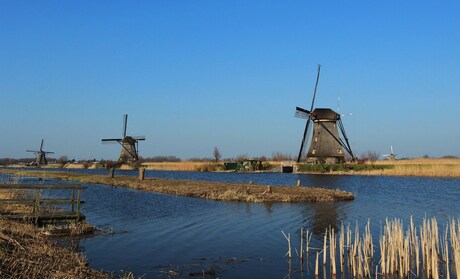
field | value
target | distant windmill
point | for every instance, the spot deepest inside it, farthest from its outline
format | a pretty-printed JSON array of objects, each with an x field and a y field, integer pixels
[
  {"x": 41, "y": 156},
  {"x": 129, "y": 144},
  {"x": 326, "y": 146},
  {"x": 390, "y": 156}
]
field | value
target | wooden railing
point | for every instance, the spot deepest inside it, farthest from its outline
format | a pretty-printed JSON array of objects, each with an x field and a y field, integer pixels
[{"x": 37, "y": 203}]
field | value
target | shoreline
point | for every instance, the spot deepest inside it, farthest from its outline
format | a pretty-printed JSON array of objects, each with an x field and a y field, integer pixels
[
  {"x": 417, "y": 167},
  {"x": 26, "y": 250},
  {"x": 200, "y": 189}
]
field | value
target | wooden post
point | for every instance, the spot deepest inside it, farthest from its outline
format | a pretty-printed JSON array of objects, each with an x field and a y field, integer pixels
[
  {"x": 141, "y": 173},
  {"x": 73, "y": 201},
  {"x": 111, "y": 172},
  {"x": 78, "y": 207},
  {"x": 36, "y": 208}
]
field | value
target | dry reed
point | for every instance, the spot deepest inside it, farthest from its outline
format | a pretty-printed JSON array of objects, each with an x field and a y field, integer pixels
[
  {"x": 417, "y": 167},
  {"x": 26, "y": 253},
  {"x": 415, "y": 251}
]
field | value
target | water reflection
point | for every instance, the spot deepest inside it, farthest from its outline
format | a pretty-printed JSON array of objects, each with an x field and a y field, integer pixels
[
  {"x": 268, "y": 207},
  {"x": 321, "y": 216},
  {"x": 325, "y": 216}
]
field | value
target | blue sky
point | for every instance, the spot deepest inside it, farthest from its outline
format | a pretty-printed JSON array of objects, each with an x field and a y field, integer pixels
[{"x": 197, "y": 74}]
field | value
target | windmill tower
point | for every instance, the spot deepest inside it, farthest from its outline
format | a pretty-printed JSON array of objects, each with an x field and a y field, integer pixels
[
  {"x": 326, "y": 145},
  {"x": 41, "y": 156},
  {"x": 129, "y": 144}
]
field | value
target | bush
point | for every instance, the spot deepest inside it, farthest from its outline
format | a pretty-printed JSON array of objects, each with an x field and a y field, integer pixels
[{"x": 208, "y": 167}]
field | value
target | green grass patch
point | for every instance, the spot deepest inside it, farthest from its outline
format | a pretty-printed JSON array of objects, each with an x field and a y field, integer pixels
[{"x": 325, "y": 168}]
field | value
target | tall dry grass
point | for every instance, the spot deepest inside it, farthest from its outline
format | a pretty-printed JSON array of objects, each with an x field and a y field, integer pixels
[
  {"x": 417, "y": 167},
  {"x": 26, "y": 253},
  {"x": 421, "y": 161},
  {"x": 175, "y": 166}
]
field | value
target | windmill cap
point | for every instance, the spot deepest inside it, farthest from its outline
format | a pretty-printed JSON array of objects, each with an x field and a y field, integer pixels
[{"x": 325, "y": 114}]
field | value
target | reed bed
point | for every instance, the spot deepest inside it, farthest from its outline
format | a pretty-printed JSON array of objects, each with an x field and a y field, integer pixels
[
  {"x": 447, "y": 167},
  {"x": 176, "y": 166},
  {"x": 412, "y": 252},
  {"x": 26, "y": 253},
  {"x": 422, "y": 170}
]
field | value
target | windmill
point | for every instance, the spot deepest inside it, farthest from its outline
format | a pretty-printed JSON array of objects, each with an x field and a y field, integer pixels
[
  {"x": 129, "y": 144},
  {"x": 41, "y": 156},
  {"x": 390, "y": 156},
  {"x": 326, "y": 145}
]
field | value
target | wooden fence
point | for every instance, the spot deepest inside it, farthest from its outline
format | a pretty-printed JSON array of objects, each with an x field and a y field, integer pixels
[{"x": 38, "y": 210}]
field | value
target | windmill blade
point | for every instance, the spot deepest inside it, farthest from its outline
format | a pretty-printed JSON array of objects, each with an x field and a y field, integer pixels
[
  {"x": 316, "y": 87},
  {"x": 303, "y": 139},
  {"x": 111, "y": 140},
  {"x": 139, "y": 138},
  {"x": 301, "y": 113},
  {"x": 125, "y": 124},
  {"x": 41, "y": 145},
  {"x": 48, "y": 152},
  {"x": 309, "y": 114}
]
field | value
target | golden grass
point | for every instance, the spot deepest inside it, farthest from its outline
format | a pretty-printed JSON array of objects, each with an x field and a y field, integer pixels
[
  {"x": 421, "y": 161},
  {"x": 26, "y": 253},
  {"x": 175, "y": 166},
  {"x": 418, "y": 167}
]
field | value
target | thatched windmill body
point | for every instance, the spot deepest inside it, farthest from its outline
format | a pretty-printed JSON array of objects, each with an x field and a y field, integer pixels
[
  {"x": 41, "y": 156},
  {"x": 329, "y": 141},
  {"x": 129, "y": 144}
]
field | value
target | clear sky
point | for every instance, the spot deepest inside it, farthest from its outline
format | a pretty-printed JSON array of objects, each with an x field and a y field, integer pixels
[{"x": 197, "y": 74}]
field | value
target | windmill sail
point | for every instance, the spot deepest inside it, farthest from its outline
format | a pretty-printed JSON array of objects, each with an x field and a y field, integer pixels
[
  {"x": 129, "y": 144},
  {"x": 41, "y": 155}
]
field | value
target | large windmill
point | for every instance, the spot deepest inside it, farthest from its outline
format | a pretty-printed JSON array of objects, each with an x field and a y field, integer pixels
[
  {"x": 41, "y": 156},
  {"x": 129, "y": 144},
  {"x": 326, "y": 145}
]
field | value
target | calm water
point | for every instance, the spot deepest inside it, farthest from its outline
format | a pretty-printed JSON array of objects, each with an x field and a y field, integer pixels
[{"x": 155, "y": 233}]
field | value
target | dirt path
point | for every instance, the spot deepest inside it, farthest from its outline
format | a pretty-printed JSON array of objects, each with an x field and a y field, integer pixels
[{"x": 200, "y": 189}]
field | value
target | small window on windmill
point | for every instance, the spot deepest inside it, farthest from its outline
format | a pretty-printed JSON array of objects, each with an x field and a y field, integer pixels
[
  {"x": 316, "y": 138},
  {"x": 314, "y": 151},
  {"x": 339, "y": 151}
]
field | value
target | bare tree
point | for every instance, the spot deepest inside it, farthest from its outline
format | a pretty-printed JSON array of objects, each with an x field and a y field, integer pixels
[
  {"x": 63, "y": 159},
  {"x": 372, "y": 156},
  {"x": 217, "y": 154},
  {"x": 278, "y": 156}
]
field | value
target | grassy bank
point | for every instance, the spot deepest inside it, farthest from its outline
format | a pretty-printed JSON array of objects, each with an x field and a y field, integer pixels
[
  {"x": 410, "y": 167},
  {"x": 27, "y": 252},
  {"x": 182, "y": 166},
  {"x": 201, "y": 189}
]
